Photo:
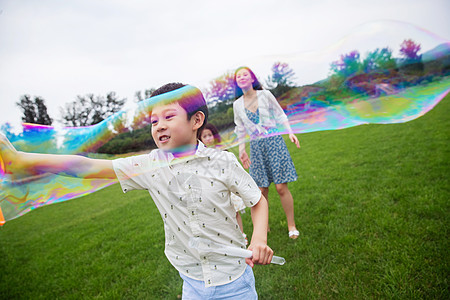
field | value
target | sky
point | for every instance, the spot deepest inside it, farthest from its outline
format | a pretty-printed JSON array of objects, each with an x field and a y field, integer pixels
[{"x": 60, "y": 49}]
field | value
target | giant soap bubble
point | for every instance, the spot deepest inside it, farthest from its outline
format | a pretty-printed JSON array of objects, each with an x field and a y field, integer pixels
[{"x": 363, "y": 78}]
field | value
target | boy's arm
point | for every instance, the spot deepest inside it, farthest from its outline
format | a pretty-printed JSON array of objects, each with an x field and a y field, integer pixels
[
  {"x": 262, "y": 254},
  {"x": 22, "y": 163}
]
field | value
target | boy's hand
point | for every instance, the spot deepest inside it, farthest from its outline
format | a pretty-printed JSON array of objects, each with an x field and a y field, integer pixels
[{"x": 262, "y": 254}]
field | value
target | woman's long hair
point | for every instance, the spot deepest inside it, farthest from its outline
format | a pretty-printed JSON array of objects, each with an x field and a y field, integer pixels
[{"x": 256, "y": 84}]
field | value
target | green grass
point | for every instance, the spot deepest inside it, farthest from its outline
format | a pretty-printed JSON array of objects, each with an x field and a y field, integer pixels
[{"x": 372, "y": 206}]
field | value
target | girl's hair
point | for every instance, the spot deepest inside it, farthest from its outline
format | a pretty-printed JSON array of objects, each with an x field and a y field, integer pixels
[
  {"x": 214, "y": 131},
  {"x": 256, "y": 85}
]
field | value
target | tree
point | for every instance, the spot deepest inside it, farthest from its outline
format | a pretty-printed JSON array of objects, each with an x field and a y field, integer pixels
[
  {"x": 89, "y": 109},
  {"x": 42, "y": 115},
  {"x": 222, "y": 89},
  {"x": 348, "y": 65},
  {"x": 379, "y": 60},
  {"x": 147, "y": 93},
  {"x": 281, "y": 79},
  {"x": 409, "y": 49},
  {"x": 34, "y": 111}
]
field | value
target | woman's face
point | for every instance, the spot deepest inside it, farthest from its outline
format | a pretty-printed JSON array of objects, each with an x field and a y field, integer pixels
[
  {"x": 244, "y": 79},
  {"x": 207, "y": 138}
]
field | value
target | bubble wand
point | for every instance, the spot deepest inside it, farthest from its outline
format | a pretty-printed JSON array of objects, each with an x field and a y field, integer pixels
[{"x": 206, "y": 245}]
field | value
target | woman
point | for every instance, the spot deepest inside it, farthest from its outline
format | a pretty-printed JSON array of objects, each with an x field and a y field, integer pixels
[{"x": 257, "y": 113}]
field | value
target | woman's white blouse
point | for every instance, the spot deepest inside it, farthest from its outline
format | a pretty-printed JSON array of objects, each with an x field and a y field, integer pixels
[{"x": 270, "y": 115}]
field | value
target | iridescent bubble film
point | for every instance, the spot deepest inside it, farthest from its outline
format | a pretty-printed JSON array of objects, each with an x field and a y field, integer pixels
[
  {"x": 385, "y": 96},
  {"x": 19, "y": 195}
]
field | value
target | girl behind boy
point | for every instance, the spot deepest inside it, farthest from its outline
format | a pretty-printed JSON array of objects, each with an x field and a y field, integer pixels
[{"x": 210, "y": 136}]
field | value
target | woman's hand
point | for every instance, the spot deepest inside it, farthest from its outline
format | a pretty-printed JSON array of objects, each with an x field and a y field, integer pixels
[
  {"x": 244, "y": 159},
  {"x": 294, "y": 139}
]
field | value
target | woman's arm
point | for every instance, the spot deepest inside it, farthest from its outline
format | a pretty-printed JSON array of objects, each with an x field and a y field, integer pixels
[
  {"x": 281, "y": 116},
  {"x": 243, "y": 156},
  {"x": 292, "y": 136},
  {"x": 240, "y": 133},
  {"x": 23, "y": 163}
]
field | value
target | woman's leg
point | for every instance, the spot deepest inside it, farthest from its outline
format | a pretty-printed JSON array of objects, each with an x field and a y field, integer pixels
[{"x": 288, "y": 204}]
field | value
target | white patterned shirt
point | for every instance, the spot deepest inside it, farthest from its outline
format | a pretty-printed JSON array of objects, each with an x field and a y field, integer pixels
[{"x": 193, "y": 197}]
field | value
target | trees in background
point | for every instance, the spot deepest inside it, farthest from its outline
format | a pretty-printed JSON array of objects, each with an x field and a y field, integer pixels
[
  {"x": 281, "y": 80},
  {"x": 89, "y": 109},
  {"x": 349, "y": 74},
  {"x": 349, "y": 64},
  {"x": 376, "y": 69},
  {"x": 220, "y": 96},
  {"x": 34, "y": 110},
  {"x": 412, "y": 62},
  {"x": 221, "y": 90},
  {"x": 409, "y": 50},
  {"x": 139, "y": 95},
  {"x": 379, "y": 59}
]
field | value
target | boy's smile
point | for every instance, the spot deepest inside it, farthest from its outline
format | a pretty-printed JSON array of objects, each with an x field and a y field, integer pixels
[{"x": 171, "y": 129}]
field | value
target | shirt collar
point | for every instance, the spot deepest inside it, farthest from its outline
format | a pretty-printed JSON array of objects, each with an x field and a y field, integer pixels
[{"x": 200, "y": 152}]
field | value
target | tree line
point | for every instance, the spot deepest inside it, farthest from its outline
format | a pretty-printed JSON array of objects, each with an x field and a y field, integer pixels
[{"x": 91, "y": 109}]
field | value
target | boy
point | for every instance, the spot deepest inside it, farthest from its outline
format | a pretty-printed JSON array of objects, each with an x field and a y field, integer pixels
[{"x": 190, "y": 184}]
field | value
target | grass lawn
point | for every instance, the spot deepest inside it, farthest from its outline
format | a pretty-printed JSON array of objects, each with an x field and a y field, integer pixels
[{"x": 372, "y": 206}]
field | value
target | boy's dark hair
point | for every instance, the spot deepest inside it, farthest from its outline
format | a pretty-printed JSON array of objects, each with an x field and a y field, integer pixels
[{"x": 192, "y": 102}]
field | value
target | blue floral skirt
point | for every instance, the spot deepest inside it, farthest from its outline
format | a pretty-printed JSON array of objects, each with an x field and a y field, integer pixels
[
  {"x": 270, "y": 158},
  {"x": 271, "y": 161}
]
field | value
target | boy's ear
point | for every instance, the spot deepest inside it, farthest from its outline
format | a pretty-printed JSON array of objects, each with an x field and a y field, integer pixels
[{"x": 198, "y": 119}]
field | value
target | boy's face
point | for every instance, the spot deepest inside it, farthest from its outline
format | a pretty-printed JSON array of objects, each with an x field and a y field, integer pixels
[{"x": 171, "y": 129}]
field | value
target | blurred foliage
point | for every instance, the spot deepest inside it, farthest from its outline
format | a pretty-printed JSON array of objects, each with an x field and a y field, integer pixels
[
  {"x": 34, "y": 110},
  {"x": 350, "y": 76},
  {"x": 222, "y": 89},
  {"x": 131, "y": 141},
  {"x": 281, "y": 80},
  {"x": 142, "y": 95},
  {"x": 409, "y": 50},
  {"x": 89, "y": 109}
]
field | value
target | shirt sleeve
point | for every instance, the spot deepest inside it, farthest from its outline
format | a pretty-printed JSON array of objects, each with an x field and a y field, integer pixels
[
  {"x": 241, "y": 183},
  {"x": 240, "y": 128},
  {"x": 275, "y": 108},
  {"x": 130, "y": 172}
]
